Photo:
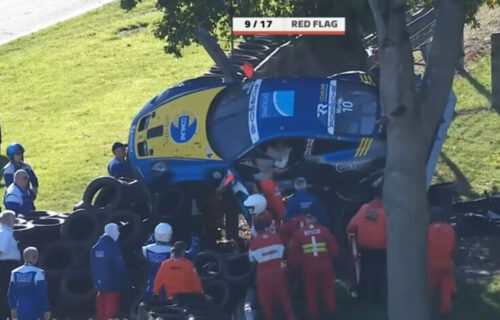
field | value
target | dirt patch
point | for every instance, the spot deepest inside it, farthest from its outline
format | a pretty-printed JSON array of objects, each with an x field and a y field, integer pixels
[
  {"x": 130, "y": 30},
  {"x": 477, "y": 42}
]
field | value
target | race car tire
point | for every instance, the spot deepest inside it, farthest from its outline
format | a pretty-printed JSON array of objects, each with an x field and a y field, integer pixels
[
  {"x": 105, "y": 193},
  {"x": 47, "y": 230},
  {"x": 130, "y": 225},
  {"x": 58, "y": 258},
  {"x": 82, "y": 227},
  {"x": 208, "y": 264},
  {"x": 31, "y": 215},
  {"x": 77, "y": 288},
  {"x": 238, "y": 269},
  {"x": 219, "y": 291}
]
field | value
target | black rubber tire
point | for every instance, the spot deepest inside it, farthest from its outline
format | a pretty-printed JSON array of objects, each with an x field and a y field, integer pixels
[
  {"x": 238, "y": 270},
  {"x": 59, "y": 258},
  {"x": 130, "y": 225},
  {"x": 208, "y": 264},
  {"x": 105, "y": 193},
  {"x": 21, "y": 221},
  {"x": 37, "y": 214},
  {"x": 82, "y": 227},
  {"x": 443, "y": 195},
  {"x": 197, "y": 304},
  {"x": 80, "y": 205},
  {"x": 219, "y": 291},
  {"x": 47, "y": 230},
  {"x": 25, "y": 235},
  {"x": 249, "y": 52},
  {"x": 77, "y": 288},
  {"x": 141, "y": 198}
]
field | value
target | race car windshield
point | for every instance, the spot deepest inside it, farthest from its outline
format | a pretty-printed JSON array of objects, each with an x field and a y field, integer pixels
[{"x": 227, "y": 123}]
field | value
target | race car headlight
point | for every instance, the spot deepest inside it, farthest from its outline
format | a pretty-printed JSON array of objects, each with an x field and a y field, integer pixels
[{"x": 159, "y": 169}]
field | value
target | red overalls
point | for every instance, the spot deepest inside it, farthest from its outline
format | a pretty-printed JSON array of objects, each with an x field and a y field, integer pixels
[
  {"x": 267, "y": 250},
  {"x": 315, "y": 247}
]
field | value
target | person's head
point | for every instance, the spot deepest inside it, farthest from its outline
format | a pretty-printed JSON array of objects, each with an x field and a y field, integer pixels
[
  {"x": 260, "y": 225},
  {"x": 300, "y": 183},
  {"x": 119, "y": 150},
  {"x": 15, "y": 152},
  {"x": 179, "y": 249},
  {"x": 310, "y": 217},
  {"x": 21, "y": 178},
  {"x": 30, "y": 255},
  {"x": 256, "y": 204},
  {"x": 112, "y": 231},
  {"x": 436, "y": 214},
  {"x": 163, "y": 232},
  {"x": 8, "y": 218}
]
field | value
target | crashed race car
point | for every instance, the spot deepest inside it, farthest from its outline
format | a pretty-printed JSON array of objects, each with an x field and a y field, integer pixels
[{"x": 325, "y": 129}]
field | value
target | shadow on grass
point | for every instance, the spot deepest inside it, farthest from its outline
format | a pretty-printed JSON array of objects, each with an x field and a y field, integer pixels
[
  {"x": 463, "y": 185},
  {"x": 475, "y": 301},
  {"x": 481, "y": 89}
]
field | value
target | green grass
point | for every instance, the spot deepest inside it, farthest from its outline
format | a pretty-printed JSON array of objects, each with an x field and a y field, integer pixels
[
  {"x": 471, "y": 154},
  {"x": 69, "y": 91}
]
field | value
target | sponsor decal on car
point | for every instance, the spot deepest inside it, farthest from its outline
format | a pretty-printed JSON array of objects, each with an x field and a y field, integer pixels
[
  {"x": 252, "y": 111},
  {"x": 332, "y": 95},
  {"x": 183, "y": 128}
]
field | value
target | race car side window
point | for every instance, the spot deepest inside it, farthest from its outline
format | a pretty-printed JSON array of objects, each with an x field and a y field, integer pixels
[
  {"x": 144, "y": 122},
  {"x": 322, "y": 146}
]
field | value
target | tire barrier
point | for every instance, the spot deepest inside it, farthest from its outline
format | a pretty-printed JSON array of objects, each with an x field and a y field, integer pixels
[
  {"x": 37, "y": 214},
  {"x": 46, "y": 230},
  {"x": 58, "y": 259},
  {"x": 82, "y": 227},
  {"x": 80, "y": 206},
  {"x": 25, "y": 235},
  {"x": 219, "y": 291},
  {"x": 197, "y": 304},
  {"x": 238, "y": 270},
  {"x": 208, "y": 264},
  {"x": 130, "y": 225},
  {"x": 168, "y": 204},
  {"x": 77, "y": 291},
  {"x": 21, "y": 221},
  {"x": 105, "y": 193}
]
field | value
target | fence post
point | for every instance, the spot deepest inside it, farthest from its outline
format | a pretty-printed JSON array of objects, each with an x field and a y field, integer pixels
[{"x": 495, "y": 71}]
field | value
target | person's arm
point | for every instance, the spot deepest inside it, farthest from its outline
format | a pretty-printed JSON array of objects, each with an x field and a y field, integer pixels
[
  {"x": 195, "y": 284},
  {"x": 12, "y": 296},
  {"x": 195, "y": 247},
  {"x": 12, "y": 202},
  {"x": 158, "y": 282},
  {"x": 33, "y": 177},
  {"x": 41, "y": 292},
  {"x": 9, "y": 179}
]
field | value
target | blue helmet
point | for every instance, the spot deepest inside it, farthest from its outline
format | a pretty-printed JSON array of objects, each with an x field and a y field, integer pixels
[{"x": 14, "y": 148}]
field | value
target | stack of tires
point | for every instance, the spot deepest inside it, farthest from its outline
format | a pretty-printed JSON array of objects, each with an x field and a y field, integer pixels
[{"x": 65, "y": 240}]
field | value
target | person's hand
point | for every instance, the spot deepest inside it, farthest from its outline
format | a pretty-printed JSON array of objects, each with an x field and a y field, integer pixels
[
  {"x": 47, "y": 315},
  {"x": 13, "y": 314}
]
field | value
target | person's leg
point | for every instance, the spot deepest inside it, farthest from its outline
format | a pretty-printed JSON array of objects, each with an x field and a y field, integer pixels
[
  {"x": 328, "y": 290},
  {"x": 264, "y": 295},
  {"x": 447, "y": 286},
  {"x": 112, "y": 307},
  {"x": 311, "y": 287},
  {"x": 381, "y": 276},
  {"x": 283, "y": 298},
  {"x": 4, "y": 286},
  {"x": 99, "y": 306}
]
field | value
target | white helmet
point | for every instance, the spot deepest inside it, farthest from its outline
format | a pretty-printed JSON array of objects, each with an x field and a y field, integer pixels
[
  {"x": 163, "y": 232},
  {"x": 256, "y": 203}
]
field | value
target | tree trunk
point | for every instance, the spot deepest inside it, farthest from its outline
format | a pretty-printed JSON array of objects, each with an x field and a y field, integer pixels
[{"x": 412, "y": 122}]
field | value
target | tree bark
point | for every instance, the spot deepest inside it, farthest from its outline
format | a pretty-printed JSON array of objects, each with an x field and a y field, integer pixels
[{"x": 412, "y": 118}]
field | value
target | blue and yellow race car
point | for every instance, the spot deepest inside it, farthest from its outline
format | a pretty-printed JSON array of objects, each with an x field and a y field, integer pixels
[{"x": 326, "y": 129}]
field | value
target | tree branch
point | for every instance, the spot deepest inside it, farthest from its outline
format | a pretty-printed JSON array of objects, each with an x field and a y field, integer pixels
[{"x": 441, "y": 64}]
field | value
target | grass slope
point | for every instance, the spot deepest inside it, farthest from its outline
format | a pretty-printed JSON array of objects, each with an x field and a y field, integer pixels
[
  {"x": 471, "y": 154},
  {"x": 69, "y": 91}
]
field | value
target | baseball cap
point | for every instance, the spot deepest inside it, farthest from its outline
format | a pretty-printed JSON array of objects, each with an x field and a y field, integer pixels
[{"x": 117, "y": 145}]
